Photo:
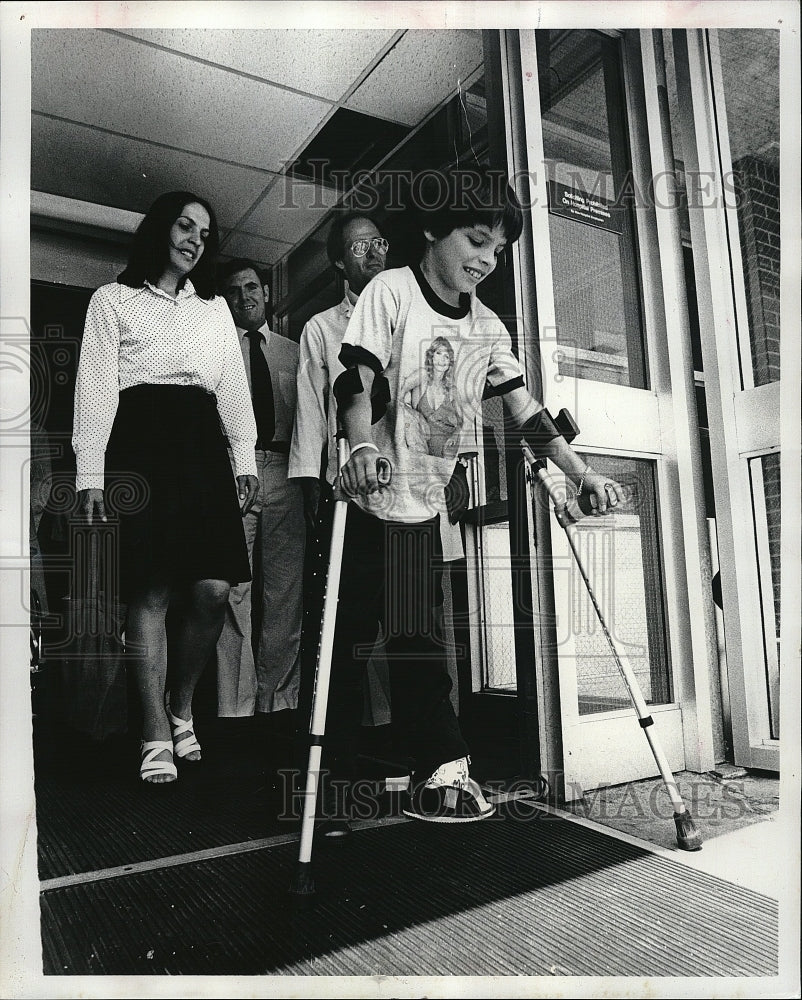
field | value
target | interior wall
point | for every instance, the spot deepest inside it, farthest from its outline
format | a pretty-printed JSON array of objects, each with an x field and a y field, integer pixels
[{"x": 80, "y": 261}]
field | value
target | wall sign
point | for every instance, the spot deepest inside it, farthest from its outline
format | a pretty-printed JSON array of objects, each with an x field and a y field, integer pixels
[{"x": 583, "y": 206}]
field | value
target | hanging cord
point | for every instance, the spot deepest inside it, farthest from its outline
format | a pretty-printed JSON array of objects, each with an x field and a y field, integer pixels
[
  {"x": 467, "y": 122},
  {"x": 459, "y": 94}
]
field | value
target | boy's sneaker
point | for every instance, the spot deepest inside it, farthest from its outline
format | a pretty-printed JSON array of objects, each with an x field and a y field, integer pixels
[{"x": 450, "y": 795}]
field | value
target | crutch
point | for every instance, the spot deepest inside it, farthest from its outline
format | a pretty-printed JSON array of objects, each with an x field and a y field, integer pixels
[
  {"x": 568, "y": 512},
  {"x": 303, "y": 883}
]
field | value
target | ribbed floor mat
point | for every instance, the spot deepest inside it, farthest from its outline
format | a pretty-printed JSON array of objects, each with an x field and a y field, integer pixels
[
  {"x": 93, "y": 812},
  {"x": 503, "y": 897}
]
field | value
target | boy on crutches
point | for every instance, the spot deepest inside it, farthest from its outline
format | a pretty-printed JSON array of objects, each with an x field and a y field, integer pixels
[{"x": 420, "y": 340}]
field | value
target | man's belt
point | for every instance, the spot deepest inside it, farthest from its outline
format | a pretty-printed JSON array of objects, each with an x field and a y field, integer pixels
[{"x": 282, "y": 447}]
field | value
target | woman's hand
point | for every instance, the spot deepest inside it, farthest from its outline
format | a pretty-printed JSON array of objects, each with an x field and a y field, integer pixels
[
  {"x": 365, "y": 472},
  {"x": 90, "y": 501},
  {"x": 248, "y": 489},
  {"x": 605, "y": 493}
]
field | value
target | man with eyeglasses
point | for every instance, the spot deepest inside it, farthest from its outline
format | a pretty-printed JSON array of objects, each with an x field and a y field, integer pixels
[{"x": 357, "y": 249}]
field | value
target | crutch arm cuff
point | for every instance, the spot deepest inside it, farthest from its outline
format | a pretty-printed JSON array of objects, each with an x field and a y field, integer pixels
[
  {"x": 539, "y": 431},
  {"x": 352, "y": 355},
  {"x": 490, "y": 391},
  {"x": 349, "y": 384}
]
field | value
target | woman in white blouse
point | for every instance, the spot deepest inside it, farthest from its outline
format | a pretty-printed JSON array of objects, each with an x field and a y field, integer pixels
[{"x": 160, "y": 380}]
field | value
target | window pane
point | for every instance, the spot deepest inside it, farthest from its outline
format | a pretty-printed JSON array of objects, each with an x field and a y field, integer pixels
[
  {"x": 499, "y": 622},
  {"x": 596, "y": 284},
  {"x": 750, "y": 61},
  {"x": 622, "y": 554},
  {"x": 765, "y": 475}
]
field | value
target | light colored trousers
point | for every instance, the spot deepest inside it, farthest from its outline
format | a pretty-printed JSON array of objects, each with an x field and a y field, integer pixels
[{"x": 269, "y": 682}]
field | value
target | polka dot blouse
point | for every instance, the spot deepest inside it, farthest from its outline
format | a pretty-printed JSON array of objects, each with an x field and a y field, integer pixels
[{"x": 143, "y": 335}]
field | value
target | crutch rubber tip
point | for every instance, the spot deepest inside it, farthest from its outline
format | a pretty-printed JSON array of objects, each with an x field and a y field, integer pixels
[
  {"x": 303, "y": 882},
  {"x": 688, "y": 837}
]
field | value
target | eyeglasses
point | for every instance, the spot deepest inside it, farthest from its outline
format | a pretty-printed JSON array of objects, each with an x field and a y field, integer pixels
[{"x": 360, "y": 247}]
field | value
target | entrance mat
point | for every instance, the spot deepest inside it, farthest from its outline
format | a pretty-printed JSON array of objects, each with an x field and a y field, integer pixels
[
  {"x": 94, "y": 812},
  {"x": 508, "y": 896},
  {"x": 101, "y": 815}
]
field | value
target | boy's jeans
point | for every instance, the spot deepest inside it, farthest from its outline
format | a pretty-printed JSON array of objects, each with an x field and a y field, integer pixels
[{"x": 389, "y": 578}]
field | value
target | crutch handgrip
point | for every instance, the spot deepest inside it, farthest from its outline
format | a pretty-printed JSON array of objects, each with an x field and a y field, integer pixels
[
  {"x": 569, "y": 510},
  {"x": 384, "y": 471}
]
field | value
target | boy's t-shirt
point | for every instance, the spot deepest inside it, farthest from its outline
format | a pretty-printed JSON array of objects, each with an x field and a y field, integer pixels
[{"x": 439, "y": 361}]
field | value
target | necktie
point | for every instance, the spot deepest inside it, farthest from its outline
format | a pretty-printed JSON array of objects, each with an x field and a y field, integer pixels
[{"x": 261, "y": 391}]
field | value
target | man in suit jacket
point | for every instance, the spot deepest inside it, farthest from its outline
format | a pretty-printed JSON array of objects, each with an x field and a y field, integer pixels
[{"x": 268, "y": 681}]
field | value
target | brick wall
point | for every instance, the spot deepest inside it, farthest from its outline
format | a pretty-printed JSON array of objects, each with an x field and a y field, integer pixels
[{"x": 758, "y": 185}]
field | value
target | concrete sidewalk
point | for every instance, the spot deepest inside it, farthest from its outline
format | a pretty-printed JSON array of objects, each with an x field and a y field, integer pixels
[{"x": 745, "y": 836}]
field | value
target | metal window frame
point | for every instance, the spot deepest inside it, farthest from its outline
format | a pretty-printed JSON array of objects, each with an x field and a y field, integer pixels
[
  {"x": 765, "y": 586},
  {"x": 681, "y": 487},
  {"x": 736, "y": 433}
]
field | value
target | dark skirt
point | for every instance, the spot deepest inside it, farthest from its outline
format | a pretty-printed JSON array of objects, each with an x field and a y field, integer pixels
[{"x": 170, "y": 487}]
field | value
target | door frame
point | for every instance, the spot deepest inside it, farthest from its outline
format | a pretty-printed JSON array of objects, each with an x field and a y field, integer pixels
[
  {"x": 745, "y": 421},
  {"x": 666, "y": 430}
]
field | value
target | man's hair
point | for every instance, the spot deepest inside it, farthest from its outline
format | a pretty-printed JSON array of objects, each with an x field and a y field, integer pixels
[
  {"x": 334, "y": 243},
  {"x": 149, "y": 250},
  {"x": 234, "y": 266},
  {"x": 452, "y": 199}
]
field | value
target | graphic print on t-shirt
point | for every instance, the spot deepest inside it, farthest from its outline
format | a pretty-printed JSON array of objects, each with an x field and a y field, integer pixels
[
  {"x": 431, "y": 413},
  {"x": 438, "y": 361}
]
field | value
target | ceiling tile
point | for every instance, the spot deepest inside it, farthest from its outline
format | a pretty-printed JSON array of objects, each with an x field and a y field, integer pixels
[
  {"x": 314, "y": 61},
  {"x": 123, "y": 85},
  {"x": 79, "y": 162},
  {"x": 256, "y": 248},
  {"x": 289, "y": 210},
  {"x": 418, "y": 74},
  {"x": 348, "y": 143}
]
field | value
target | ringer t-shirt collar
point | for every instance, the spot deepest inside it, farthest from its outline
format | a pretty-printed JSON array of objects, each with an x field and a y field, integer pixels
[{"x": 438, "y": 304}]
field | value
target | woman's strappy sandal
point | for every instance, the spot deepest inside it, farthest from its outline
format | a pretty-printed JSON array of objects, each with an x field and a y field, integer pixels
[
  {"x": 184, "y": 739},
  {"x": 150, "y": 767}
]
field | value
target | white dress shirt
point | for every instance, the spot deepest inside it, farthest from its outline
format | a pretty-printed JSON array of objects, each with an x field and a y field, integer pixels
[
  {"x": 318, "y": 369},
  {"x": 136, "y": 336},
  {"x": 281, "y": 355}
]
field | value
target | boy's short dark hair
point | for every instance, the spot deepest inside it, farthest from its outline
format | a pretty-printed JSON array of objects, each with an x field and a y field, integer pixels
[
  {"x": 334, "y": 242},
  {"x": 445, "y": 200}
]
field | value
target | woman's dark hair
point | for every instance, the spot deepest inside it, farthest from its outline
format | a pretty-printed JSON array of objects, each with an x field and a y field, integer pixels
[
  {"x": 334, "y": 242},
  {"x": 452, "y": 199},
  {"x": 150, "y": 248}
]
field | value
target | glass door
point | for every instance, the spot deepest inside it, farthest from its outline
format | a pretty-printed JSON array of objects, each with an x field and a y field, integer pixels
[
  {"x": 592, "y": 286},
  {"x": 729, "y": 100}
]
